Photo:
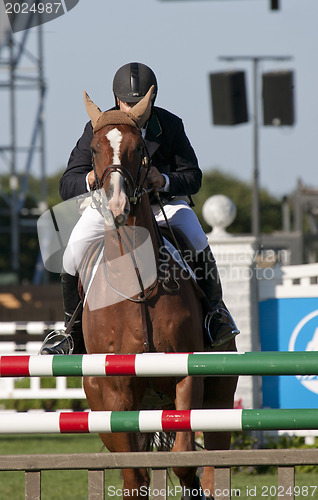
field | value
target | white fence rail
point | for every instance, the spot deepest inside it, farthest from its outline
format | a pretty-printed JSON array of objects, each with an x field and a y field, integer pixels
[
  {"x": 21, "y": 334},
  {"x": 289, "y": 282}
]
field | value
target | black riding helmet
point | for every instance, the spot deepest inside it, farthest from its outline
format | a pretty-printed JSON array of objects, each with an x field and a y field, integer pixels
[{"x": 132, "y": 82}]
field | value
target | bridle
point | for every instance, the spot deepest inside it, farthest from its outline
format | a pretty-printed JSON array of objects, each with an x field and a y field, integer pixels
[{"x": 135, "y": 187}]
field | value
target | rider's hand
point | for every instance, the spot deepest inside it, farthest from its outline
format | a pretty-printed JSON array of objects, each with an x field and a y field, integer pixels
[
  {"x": 91, "y": 179},
  {"x": 155, "y": 178}
]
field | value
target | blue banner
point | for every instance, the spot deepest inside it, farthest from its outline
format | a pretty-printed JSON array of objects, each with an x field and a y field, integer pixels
[{"x": 289, "y": 325}]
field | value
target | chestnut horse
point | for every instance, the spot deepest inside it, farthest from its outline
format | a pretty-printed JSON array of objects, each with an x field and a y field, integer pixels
[{"x": 160, "y": 318}]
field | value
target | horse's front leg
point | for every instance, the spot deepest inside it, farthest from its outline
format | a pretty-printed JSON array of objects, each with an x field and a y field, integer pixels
[
  {"x": 189, "y": 395},
  {"x": 136, "y": 481},
  {"x": 218, "y": 394},
  {"x": 113, "y": 394}
]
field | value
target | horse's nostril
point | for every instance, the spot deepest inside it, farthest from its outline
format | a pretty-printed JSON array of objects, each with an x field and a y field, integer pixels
[{"x": 120, "y": 220}]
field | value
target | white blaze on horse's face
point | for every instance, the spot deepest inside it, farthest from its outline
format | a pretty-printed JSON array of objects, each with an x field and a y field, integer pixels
[
  {"x": 115, "y": 136},
  {"x": 118, "y": 202}
]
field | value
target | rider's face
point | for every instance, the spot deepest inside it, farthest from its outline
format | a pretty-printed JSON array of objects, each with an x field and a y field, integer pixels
[{"x": 125, "y": 106}]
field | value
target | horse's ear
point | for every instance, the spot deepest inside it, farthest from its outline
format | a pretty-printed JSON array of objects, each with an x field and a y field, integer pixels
[
  {"x": 140, "y": 113},
  {"x": 93, "y": 111}
]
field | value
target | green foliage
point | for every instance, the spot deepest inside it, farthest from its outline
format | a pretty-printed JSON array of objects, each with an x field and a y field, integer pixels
[
  {"x": 243, "y": 440},
  {"x": 286, "y": 441},
  {"x": 216, "y": 182}
]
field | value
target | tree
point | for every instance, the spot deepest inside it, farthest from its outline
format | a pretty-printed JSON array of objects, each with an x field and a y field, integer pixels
[{"x": 240, "y": 192}]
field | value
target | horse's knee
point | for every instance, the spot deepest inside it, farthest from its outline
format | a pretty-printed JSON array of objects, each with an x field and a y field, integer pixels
[
  {"x": 189, "y": 393},
  {"x": 92, "y": 392}
]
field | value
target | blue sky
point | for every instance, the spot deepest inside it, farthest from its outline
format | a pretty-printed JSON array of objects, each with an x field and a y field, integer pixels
[{"x": 182, "y": 41}]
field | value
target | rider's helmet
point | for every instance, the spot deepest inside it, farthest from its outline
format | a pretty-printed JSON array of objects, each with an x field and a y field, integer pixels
[{"x": 132, "y": 81}]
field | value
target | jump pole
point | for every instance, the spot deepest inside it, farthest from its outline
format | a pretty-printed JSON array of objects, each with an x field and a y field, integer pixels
[
  {"x": 161, "y": 364},
  {"x": 157, "y": 421}
]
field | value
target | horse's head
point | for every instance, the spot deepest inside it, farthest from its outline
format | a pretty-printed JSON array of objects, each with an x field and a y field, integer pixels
[{"x": 119, "y": 158}]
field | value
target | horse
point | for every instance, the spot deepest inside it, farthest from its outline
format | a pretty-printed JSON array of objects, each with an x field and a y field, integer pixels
[{"x": 165, "y": 316}]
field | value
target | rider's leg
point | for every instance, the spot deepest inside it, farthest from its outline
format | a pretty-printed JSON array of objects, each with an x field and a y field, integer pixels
[
  {"x": 219, "y": 322},
  {"x": 71, "y": 300},
  {"x": 88, "y": 229},
  {"x": 180, "y": 215}
]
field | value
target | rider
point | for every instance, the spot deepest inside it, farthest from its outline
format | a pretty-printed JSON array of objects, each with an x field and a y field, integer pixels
[{"x": 174, "y": 172}]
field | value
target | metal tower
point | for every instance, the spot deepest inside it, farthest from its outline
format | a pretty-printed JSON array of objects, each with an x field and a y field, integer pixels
[{"x": 22, "y": 141}]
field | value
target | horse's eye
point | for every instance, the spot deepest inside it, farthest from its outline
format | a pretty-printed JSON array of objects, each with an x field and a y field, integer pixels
[{"x": 127, "y": 185}]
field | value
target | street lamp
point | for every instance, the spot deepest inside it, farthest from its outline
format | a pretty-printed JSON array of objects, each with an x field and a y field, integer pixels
[{"x": 255, "y": 62}]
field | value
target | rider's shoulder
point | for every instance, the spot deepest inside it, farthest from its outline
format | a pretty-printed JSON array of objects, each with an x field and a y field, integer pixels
[{"x": 164, "y": 114}]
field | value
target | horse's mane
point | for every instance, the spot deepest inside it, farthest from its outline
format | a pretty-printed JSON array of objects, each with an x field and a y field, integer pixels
[{"x": 114, "y": 117}]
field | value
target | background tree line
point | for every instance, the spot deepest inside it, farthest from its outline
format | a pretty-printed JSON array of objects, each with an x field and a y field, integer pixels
[{"x": 214, "y": 182}]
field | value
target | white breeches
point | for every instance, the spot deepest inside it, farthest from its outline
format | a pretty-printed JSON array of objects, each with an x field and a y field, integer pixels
[{"x": 90, "y": 228}]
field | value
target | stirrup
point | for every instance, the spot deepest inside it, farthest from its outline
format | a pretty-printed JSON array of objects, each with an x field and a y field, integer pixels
[
  {"x": 219, "y": 327},
  {"x": 64, "y": 346}
]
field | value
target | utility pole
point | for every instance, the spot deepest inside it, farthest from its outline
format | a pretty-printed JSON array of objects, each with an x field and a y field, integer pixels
[{"x": 255, "y": 60}]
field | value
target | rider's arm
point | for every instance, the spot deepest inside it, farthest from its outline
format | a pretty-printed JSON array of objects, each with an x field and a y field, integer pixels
[
  {"x": 185, "y": 176},
  {"x": 175, "y": 156},
  {"x": 77, "y": 177}
]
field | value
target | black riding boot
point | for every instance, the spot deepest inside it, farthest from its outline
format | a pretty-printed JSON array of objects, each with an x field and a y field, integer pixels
[
  {"x": 71, "y": 300},
  {"x": 219, "y": 324}
]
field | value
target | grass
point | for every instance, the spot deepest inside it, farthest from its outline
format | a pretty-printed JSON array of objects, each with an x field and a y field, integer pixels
[
  {"x": 55, "y": 485},
  {"x": 264, "y": 486},
  {"x": 72, "y": 485}
]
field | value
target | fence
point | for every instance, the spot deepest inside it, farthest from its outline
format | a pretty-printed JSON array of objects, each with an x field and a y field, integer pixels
[
  {"x": 96, "y": 463},
  {"x": 18, "y": 338},
  {"x": 150, "y": 421}
]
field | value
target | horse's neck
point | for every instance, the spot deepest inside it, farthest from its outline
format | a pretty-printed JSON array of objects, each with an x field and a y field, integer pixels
[{"x": 143, "y": 217}]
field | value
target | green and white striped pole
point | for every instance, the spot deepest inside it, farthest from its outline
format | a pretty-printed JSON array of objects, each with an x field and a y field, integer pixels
[
  {"x": 157, "y": 421},
  {"x": 162, "y": 364}
]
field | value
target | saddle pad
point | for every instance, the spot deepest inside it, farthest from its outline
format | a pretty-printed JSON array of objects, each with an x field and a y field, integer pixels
[{"x": 177, "y": 258}]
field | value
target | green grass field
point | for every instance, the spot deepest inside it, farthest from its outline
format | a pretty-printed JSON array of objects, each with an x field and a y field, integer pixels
[{"x": 72, "y": 485}]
